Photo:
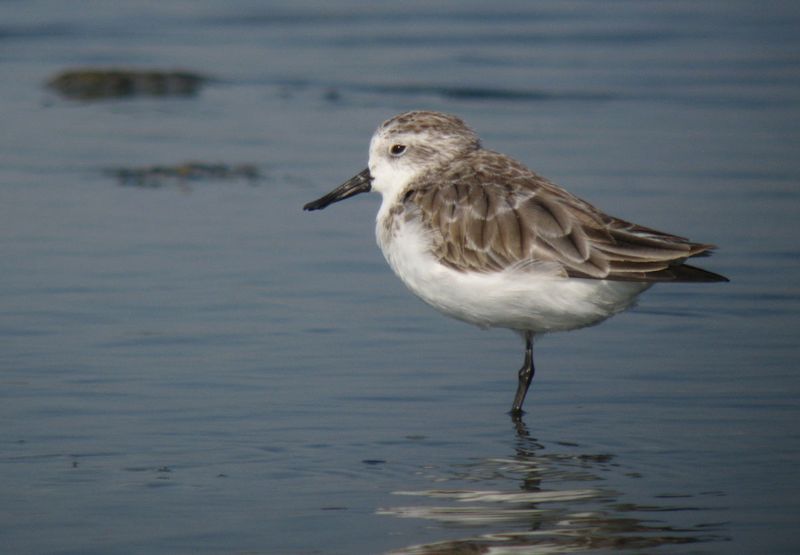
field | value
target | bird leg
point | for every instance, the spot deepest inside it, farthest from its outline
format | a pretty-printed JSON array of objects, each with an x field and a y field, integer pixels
[{"x": 525, "y": 375}]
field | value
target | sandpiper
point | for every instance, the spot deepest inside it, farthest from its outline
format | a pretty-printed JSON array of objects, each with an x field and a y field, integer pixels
[{"x": 482, "y": 238}]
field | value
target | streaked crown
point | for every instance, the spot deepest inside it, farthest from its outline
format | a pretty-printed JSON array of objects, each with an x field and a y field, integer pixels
[{"x": 444, "y": 131}]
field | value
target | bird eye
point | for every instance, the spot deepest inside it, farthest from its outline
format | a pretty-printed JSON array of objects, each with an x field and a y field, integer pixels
[{"x": 397, "y": 150}]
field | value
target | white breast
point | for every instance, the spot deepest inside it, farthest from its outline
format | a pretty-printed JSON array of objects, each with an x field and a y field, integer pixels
[{"x": 528, "y": 298}]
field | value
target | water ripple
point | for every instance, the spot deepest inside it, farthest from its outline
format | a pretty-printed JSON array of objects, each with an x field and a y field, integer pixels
[{"x": 537, "y": 507}]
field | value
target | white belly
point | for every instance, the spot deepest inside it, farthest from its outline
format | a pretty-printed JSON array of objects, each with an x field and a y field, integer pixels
[{"x": 521, "y": 299}]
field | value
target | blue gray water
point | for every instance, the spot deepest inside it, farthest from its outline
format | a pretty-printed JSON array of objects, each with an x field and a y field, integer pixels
[{"x": 203, "y": 368}]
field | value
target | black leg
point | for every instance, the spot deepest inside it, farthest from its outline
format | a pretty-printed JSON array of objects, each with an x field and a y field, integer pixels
[{"x": 525, "y": 375}]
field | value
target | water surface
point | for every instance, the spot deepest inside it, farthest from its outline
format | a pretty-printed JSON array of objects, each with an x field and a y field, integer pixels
[{"x": 200, "y": 367}]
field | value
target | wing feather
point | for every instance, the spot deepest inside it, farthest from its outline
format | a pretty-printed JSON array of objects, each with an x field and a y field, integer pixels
[{"x": 488, "y": 213}]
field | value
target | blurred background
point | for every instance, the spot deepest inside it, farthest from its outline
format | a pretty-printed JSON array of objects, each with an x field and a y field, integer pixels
[{"x": 191, "y": 364}]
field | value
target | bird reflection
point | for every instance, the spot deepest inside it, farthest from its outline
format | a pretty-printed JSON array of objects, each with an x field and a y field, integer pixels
[{"x": 549, "y": 499}]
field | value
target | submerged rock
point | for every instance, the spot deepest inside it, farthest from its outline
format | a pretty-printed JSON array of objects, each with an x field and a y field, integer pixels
[
  {"x": 95, "y": 84},
  {"x": 152, "y": 177}
]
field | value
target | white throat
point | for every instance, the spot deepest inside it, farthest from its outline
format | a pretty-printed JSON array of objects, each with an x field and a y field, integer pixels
[{"x": 390, "y": 184}]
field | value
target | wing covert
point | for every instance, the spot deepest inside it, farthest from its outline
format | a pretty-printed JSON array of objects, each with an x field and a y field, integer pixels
[{"x": 490, "y": 214}]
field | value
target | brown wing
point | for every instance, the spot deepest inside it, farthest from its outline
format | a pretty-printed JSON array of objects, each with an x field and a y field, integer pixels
[{"x": 479, "y": 222}]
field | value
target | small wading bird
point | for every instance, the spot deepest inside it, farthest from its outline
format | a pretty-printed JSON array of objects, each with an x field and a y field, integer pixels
[{"x": 482, "y": 238}]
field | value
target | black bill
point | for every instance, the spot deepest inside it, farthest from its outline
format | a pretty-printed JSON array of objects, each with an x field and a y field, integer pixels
[{"x": 361, "y": 183}]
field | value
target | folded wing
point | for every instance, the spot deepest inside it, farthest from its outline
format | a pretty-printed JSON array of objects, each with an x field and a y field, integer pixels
[{"x": 479, "y": 222}]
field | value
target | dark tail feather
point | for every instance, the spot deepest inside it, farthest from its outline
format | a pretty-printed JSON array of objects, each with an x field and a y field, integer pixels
[
  {"x": 687, "y": 273},
  {"x": 680, "y": 273}
]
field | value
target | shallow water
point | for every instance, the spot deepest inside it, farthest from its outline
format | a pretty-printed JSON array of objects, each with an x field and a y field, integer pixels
[{"x": 201, "y": 367}]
